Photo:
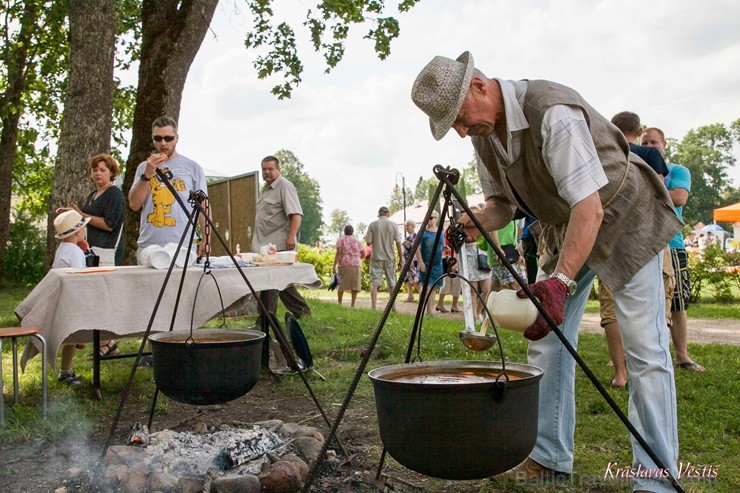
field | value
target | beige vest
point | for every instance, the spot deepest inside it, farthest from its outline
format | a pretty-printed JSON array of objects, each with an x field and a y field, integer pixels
[{"x": 639, "y": 219}]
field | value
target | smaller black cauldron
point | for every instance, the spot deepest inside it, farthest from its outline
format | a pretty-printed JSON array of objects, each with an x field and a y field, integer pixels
[{"x": 207, "y": 366}]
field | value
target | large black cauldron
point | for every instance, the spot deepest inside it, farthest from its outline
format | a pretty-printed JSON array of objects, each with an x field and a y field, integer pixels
[
  {"x": 453, "y": 420},
  {"x": 209, "y": 366}
]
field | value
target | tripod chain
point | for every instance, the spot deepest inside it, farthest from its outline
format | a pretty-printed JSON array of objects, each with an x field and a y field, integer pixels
[{"x": 202, "y": 198}]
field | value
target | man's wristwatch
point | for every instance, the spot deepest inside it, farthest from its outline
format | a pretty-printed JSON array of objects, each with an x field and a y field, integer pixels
[
  {"x": 143, "y": 177},
  {"x": 569, "y": 283}
]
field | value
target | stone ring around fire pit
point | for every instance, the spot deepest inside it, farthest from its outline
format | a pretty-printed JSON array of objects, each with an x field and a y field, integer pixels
[{"x": 269, "y": 456}]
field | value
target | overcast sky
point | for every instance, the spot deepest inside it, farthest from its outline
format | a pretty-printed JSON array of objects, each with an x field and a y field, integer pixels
[{"x": 675, "y": 63}]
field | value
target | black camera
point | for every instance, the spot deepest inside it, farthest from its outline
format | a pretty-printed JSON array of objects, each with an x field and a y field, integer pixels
[{"x": 92, "y": 260}]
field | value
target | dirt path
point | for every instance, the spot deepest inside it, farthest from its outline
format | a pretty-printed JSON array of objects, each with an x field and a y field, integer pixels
[{"x": 703, "y": 331}]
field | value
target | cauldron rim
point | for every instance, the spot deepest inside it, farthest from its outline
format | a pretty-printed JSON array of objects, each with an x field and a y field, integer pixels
[
  {"x": 526, "y": 374},
  {"x": 248, "y": 336}
]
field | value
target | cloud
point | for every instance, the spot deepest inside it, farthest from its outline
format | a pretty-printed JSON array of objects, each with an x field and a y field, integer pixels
[{"x": 674, "y": 63}]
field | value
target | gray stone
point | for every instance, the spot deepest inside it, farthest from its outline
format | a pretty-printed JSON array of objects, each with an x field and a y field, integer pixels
[
  {"x": 282, "y": 477},
  {"x": 72, "y": 473},
  {"x": 288, "y": 429},
  {"x": 190, "y": 485},
  {"x": 114, "y": 473},
  {"x": 309, "y": 431},
  {"x": 309, "y": 448},
  {"x": 166, "y": 483},
  {"x": 123, "y": 454},
  {"x": 246, "y": 483},
  {"x": 136, "y": 479},
  {"x": 331, "y": 458},
  {"x": 302, "y": 466},
  {"x": 270, "y": 424}
]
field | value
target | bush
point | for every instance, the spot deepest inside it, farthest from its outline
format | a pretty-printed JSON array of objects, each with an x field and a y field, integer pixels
[
  {"x": 714, "y": 270},
  {"x": 323, "y": 262},
  {"x": 24, "y": 258}
]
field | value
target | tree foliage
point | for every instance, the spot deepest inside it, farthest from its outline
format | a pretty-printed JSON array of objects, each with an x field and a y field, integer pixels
[
  {"x": 24, "y": 261},
  {"x": 338, "y": 220},
  {"x": 469, "y": 176},
  {"x": 708, "y": 153},
  {"x": 33, "y": 53},
  {"x": 309, "y": 195},
  {"x": 397, "y": 199},
  {"x": 328, "y": 24}
]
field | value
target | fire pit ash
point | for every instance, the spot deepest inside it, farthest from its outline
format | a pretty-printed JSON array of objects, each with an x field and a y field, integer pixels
[{"x": 269, "y": 456}]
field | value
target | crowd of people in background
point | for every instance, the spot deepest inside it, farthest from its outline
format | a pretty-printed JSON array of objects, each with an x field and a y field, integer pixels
[{"x": 431, "y": 263}]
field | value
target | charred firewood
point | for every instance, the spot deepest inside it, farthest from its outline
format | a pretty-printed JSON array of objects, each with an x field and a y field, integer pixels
[
  {"x": 139, "y": 435},
  {"x": 246, "y": 450}
]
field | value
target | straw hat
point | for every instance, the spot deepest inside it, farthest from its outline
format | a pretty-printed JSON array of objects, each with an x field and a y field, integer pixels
[
  {"x": 68, "y": 223},
  {"x": 440, "y": 88}
]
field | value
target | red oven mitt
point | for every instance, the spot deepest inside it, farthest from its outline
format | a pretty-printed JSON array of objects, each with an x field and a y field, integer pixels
[{"x": 551, "y": 293}]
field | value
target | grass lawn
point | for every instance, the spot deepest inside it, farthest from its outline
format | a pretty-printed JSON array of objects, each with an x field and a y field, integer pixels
[{"x": 708, "y": 426}]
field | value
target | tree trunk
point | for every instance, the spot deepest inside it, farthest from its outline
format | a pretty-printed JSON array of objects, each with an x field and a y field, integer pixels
[
  {"x": 171, "y": 37},
  {"x": 15, "y": 56},
  {"x": 88, "y": 104}
]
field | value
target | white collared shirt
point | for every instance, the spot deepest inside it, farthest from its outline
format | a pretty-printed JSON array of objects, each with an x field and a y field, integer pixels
[{"x": 567, "y": 147}]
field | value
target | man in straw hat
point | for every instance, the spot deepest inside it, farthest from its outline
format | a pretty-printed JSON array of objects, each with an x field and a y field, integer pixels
[{"x": 543, "y": 149}]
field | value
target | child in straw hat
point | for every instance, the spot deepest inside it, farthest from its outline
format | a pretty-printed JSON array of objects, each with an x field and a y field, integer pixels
[{"x": 71, "y": 228}]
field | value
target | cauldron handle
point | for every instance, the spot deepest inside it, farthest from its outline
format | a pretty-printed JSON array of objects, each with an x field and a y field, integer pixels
[
  {"x": 206, "y": 272},
  {"x": 500, "y": 386}
]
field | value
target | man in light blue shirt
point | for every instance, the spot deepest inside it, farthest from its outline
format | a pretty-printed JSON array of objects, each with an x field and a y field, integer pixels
[{"x": 678, "y": 182}]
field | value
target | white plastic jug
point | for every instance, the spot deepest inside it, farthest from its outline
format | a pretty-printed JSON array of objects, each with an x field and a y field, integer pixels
[{"x": 511, "y": 312}]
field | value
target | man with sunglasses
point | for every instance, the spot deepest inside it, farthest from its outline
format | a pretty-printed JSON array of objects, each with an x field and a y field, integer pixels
[{"x": 163, "y": 220}]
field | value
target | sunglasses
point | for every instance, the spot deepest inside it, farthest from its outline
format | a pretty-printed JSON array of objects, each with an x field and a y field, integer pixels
[{"x": 160, "y": 138}]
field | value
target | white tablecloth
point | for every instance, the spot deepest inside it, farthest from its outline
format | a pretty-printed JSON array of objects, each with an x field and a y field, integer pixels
[{"x": 67, "y": 305}]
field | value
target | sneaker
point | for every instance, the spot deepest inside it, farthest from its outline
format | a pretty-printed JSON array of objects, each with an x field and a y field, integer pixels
[{"x": 69, "y": 378}]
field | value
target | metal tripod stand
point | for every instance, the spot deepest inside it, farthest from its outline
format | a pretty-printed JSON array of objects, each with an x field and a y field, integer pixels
[
  {"x": 448, "y": 178},
  {"x": 196, "y": 199}
]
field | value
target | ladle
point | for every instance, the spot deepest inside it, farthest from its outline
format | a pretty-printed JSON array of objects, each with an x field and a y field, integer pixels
[
  {"x": 477, "y": 341},
  {"x": 469, "y": 337}
]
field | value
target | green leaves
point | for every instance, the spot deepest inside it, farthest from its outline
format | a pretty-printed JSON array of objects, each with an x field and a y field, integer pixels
[
  {"x": 328, "y": 27},
  {"x": 309, "y": 194},
  {"x": 386, "y": 31},
  {"x": 708, "y": 153},
  {"x": 338, "y": 220}
]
